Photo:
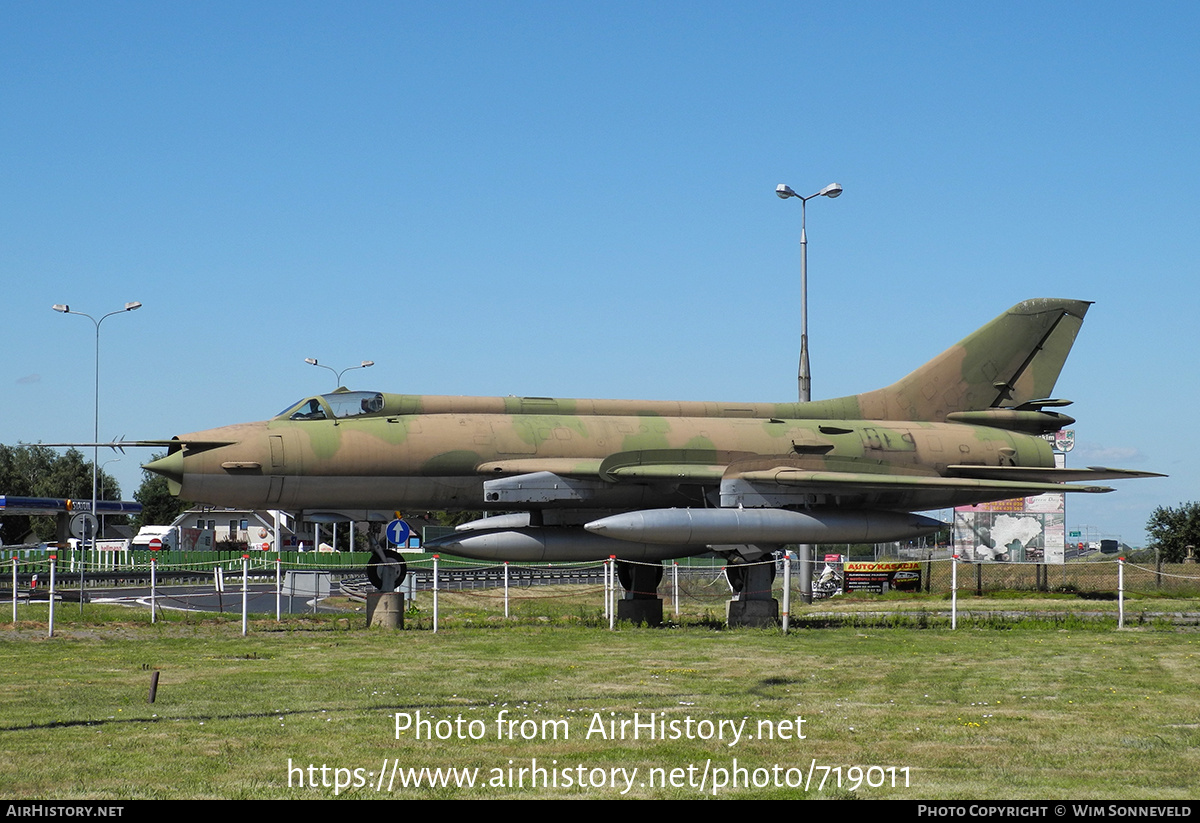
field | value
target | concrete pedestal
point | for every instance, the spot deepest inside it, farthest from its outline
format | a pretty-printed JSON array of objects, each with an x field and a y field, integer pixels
[
  {"x": 754, "y": 604},
  {"x": 755, "y": 613},
  {"x": 385, "y": 609},
  {"x": 641, "y": 603},
  {"x": 641, "y": 611}
]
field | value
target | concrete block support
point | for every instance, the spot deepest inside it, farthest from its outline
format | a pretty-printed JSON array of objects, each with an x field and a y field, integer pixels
[
  {"x": 755, "y": 604},
  {"x": 385, "y": 609},
  {"x": 641, "y": 603},
  {"x": 755, "y": 613},
  {"x": 641, "y": 611}
]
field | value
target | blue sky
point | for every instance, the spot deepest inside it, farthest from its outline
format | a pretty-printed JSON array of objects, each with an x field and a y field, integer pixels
[{"x": 577, "y": 200}]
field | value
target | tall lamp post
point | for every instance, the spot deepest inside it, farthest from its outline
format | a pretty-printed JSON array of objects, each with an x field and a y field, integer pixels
[
  {"x": 803, "y": 376},
  {"x": 312, "y": 361},
  {"x": 65, "y": 309}
]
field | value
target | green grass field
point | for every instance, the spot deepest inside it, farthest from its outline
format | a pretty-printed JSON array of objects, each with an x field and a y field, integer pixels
[{"x": 1036, "y": 699}]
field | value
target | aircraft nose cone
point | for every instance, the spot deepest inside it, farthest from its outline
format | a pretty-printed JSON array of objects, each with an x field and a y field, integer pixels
[{"x": 170, "y": 467}]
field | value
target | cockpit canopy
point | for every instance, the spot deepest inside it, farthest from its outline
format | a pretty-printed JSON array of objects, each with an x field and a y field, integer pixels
[{"x": 337, "y": 406}]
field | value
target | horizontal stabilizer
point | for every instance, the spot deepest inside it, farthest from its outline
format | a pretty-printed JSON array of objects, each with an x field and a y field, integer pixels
[
  {"x": 1048, "y": 475},
  {"x": 841, "y": 482}
]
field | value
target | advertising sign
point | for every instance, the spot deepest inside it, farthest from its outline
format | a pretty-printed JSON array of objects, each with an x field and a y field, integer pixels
[{"x": 878, "y": 578}]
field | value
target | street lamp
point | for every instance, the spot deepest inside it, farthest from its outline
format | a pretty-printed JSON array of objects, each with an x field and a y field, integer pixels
[
  {"x": 312, "y": 361},
  {"x": 803, "y": 376},
  {"x": 65, "y": 309}
]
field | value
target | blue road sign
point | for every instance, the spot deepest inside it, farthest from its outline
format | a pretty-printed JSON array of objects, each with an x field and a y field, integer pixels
[{"x": 398, "y": 532}]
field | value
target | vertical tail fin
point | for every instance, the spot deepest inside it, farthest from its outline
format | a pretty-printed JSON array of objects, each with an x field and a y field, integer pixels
[{"x": 1014, "y": 359}]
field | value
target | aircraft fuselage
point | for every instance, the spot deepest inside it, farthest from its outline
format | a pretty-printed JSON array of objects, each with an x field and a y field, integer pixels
[{"x": 440, "y": 457}]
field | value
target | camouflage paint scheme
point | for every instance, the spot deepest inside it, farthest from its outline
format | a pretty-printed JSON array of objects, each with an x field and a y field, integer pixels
[{"x": 964, "y": 428}]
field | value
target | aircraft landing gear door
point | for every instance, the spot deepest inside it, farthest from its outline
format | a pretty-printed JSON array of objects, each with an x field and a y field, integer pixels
[{"x": 280, "y": 454}]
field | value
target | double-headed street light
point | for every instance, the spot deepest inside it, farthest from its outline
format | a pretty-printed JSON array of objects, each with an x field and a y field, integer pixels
[
  {"x": 803, "y": 376},
  {"x": 312, "y": 361},
  {"x": 65, "y": 309}
]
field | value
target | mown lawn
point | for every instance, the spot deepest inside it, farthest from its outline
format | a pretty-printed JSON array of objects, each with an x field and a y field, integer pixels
[{"x": 1032, "y": 707}]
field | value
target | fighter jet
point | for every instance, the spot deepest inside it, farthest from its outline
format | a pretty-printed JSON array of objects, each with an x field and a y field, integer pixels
[{"x": 646, "y": 480}]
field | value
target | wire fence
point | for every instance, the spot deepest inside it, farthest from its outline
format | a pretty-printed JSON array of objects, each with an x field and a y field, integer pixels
[
  {"x": 101, "y": 565},
  {"x": 1096, "y": 577},
  {"x": 468, "y": 592}
]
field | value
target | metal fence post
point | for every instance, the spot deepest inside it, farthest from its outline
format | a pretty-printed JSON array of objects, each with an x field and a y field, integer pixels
[
  {"x": 245, "y": 591},
  {"x": 1120, "y": 592},
  {"x": 675, "y": 579},
  {"x": 787, "y": 589},
  {"x": 153, "y": 587},
  {"x": 954, "y": 592},
  {"x": 435, "y": 594},
  {"x": 610, "y": 597},
  {"x": 53, "y": 560}
]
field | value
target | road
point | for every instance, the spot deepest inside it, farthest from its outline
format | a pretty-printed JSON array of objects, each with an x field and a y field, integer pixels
[{"x": 260, "y": 599}]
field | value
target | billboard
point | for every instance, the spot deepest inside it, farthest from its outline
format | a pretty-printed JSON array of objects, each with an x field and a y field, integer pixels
[
  {"x": 1021, "y": 530},
  {"x": 879, "y": 577}
]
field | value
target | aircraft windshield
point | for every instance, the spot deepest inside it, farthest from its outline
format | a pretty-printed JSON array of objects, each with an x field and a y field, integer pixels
[
  {"x": 340, "y": 404},
  {"x": 353, "y": 403}
]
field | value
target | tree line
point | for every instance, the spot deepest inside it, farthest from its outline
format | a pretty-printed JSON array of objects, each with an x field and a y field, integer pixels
[
  {"x": 1173, "y": 529},
  {"x": 40, "y": 471}
]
